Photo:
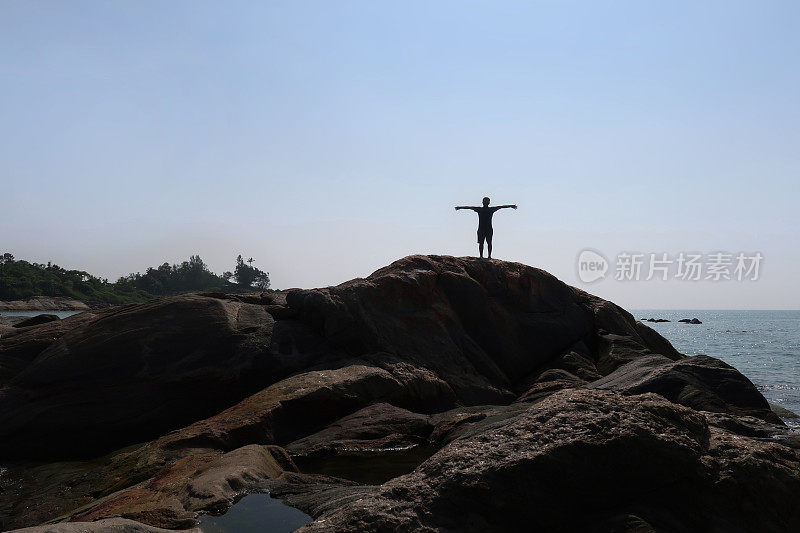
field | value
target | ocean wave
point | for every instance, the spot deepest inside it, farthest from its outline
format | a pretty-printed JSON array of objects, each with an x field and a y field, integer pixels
[{"x": 778, "y": 386}]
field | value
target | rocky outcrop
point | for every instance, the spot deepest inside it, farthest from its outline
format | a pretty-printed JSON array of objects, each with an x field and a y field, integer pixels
[
  {"x": 130, "y": 373},
  {"x": 558, "y": 466},
  {"x": 783, "y": 412},
  {"x": 381, "y": 426},
  {"x": 36, "y": 320},
  {"x": 206, "y": 481},
  {"x": 479, "y": 326},
  {"x": 6, "y": 322},
  {"x": 550, "y": 408},
  {"x": 301, "y": 404},
  {"x": 20, "y": 346},
  {"x": 44, "y": 303},
  {"x": 700, "y": 382},
  {"x": 106, "y": 525}
]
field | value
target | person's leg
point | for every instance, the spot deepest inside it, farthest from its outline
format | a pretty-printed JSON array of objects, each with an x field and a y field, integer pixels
[
  {"x": 489, "y": 242},
  {"x": 480, "y": 242}
]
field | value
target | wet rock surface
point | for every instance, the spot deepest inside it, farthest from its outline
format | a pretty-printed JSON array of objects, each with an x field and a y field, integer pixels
[{"x": 468, "y": 388}]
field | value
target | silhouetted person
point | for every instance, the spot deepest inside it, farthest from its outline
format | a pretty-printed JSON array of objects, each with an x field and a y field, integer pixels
[{"x": 485, "y": 222}]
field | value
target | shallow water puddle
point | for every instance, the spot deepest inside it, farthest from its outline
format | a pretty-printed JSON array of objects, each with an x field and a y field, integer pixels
[
  {"x": 255, "y": 513},
  {"x": 370, "y": 468}
]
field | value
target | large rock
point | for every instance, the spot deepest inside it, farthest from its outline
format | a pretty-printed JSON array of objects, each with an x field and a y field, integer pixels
[
  {"x": 533, "y": 389},
  {"x": 206, "y": 481},
  {"x": 379, "y": 426},
  {"x": 480, "y": 325},
  {"x": 44, "y": 318},
  {"x": 131, "y": 373},
  {"x": 20, "y": 346},
  {"x": 300, "y": 405},
  {"x": 290, "y": 409},
  {"x": 106, "y": 525},
  {"x": 700, "y": 382},
  {"x": 588, "y": 461}
]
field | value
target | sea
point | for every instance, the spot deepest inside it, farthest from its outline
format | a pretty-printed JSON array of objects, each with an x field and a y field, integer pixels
[{"x": 762, "y": 345}]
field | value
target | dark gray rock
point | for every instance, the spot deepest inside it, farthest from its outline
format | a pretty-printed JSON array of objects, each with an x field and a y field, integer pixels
[
  {"x": 783, "y": 412},
  {"x": 566, "y": 454},
  {"x": 131, "y": 373},
  {"x": 499, "y": 363},
  {"x": 700, "y": 382},
  {"x": 379, "y": 426},
  {"x": 36, "y": 320}
]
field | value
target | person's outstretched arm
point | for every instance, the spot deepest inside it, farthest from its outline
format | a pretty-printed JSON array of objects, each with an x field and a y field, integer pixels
[
  {"x": 512, "y": 206},
  {"x": 466, "y": 207}
]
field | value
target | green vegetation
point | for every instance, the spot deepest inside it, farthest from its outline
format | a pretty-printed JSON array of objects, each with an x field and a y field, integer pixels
[
  {"x": 20, "y": 280},
  {"x": 248, "y": 275}
]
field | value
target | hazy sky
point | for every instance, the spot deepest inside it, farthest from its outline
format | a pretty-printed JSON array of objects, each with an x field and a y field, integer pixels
[{"x": 326, "y": 139}]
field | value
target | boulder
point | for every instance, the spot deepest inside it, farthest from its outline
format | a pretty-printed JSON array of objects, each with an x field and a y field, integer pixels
[
  {"x": 145, "y": 484},
  {"x": 480, "y": 326},
  {"x": 291, "y": 409},
  {"x": 377, "y": 427},
  {"x": 558, "y": 466},
  {"x": 208, "y": 482},
  {"x": 543, "y": 399},
  {"x": 9, "y": 321},
  {"x": 84, "y": 386},
  {"x": 20, "y": 346},
  {"x": 36, "y": 320},
  {"x": 783, "y": 412},
  {"x": 131, "y": 373},
  {"x": 700, "y": 382},
  {"x": 303, "y": 404},
  {"x": 549, "y": 382},
  {"x": 106, "y": 525}
]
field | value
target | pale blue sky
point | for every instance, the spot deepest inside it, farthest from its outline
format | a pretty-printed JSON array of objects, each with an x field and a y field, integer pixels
[{"x": 326, "y": 139}]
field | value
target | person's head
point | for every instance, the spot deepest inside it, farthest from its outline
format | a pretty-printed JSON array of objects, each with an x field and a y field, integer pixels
[{"x": 486, "y": 201}]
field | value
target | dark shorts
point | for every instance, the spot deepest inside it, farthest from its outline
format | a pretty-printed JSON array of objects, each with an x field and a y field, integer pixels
[{"x": 485, "y": 234}]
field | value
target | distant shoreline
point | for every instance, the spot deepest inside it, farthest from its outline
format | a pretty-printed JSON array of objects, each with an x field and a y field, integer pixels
[{"x": 44, "y": 303}]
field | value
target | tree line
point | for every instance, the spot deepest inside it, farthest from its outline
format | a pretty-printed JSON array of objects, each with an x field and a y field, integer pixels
[{"x": 20, "y": 279}]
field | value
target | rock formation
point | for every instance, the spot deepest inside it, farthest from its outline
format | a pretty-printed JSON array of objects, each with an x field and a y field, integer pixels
[
  {"x": 44, "y": 303},
  {"x": 36, "y": 320},
  {"x": 547, "y": 408}
]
